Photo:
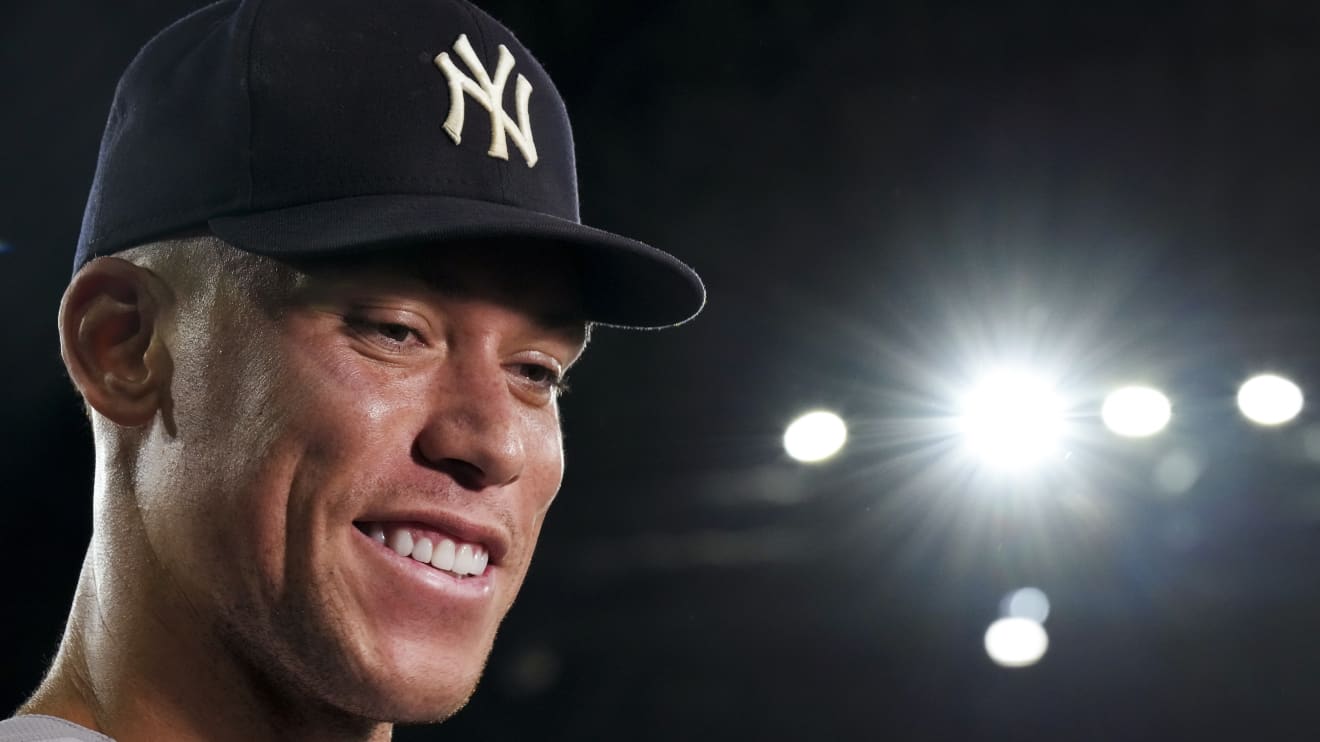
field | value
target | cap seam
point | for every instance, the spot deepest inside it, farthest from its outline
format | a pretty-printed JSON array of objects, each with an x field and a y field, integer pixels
[
  {"x": 258, "y": 7},
  {"x": 480, "y": 31}
]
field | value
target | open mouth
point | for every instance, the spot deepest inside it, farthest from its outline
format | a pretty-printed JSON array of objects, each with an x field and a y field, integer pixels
[{"x": 458, "y": 558}]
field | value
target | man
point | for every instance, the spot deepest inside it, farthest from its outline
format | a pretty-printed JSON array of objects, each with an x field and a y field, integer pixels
[{"x": 330, "y": 277}]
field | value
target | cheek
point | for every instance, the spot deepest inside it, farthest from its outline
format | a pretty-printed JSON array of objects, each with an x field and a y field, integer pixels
[
  {"x": 205, "y": 490},
  {"x": 546, "y": 439},
  {"x": 328, "y": 436},
  {"x": 342, "y": 425},
  {"x": 340, "y": 402},
  {"x": 545, "y": 468}
]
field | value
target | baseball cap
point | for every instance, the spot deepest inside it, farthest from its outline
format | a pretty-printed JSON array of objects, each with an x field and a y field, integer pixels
[{"x": 299, "y": 128}]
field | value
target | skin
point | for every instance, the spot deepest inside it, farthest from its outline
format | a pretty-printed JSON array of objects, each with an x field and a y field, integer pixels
[{"x": 246, "y": 429}]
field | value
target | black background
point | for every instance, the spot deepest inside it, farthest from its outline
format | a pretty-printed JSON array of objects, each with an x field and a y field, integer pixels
[{"x": 882, "y": 198}]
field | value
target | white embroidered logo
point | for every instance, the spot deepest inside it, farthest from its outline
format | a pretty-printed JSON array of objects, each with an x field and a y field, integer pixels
[{"x": 490, "y": 94}]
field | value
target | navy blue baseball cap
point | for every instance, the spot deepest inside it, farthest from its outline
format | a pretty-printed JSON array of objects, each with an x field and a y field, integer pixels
[{"x": 298, "y": 128}]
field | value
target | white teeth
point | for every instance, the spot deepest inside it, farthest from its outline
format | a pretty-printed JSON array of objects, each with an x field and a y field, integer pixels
[
  {"x": 402, "y": 542},
  {"x": 422, "y": 550},
  {"x": 443, "y": 558},
  {"x": 463, "y": 561},
  {"x": 459, "y": 558}
]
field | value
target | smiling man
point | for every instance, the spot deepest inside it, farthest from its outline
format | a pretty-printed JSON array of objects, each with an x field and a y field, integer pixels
[{"x": 330, "y": 278}]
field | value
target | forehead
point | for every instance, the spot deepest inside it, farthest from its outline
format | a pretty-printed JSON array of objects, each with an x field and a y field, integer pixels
[{"x": 542, "y": 281}]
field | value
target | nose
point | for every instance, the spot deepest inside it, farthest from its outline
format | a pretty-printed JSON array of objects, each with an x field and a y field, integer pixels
[{"x": 474, "y": 429}]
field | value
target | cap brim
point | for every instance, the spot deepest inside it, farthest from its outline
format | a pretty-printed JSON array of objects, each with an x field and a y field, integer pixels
[{"x": 625, "y": 283}]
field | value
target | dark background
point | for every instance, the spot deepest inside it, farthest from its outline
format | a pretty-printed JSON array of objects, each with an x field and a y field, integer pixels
[{"x": 883, "y": 197}]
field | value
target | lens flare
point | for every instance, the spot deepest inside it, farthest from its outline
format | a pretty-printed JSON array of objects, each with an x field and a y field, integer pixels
[{"x": 1028, "y": 602}]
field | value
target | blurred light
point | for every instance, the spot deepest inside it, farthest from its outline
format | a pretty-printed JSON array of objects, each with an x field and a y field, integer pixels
[
  {"x": 1012, "y": 419},
  {"x": 1016, "y": 642},
  {"x": 1136, "y": 411},
  {"x": 1311, "y": 442},
  {"x": 533, "y": 671},
  {"x": 1176, "y": 472},
  {"x": 1029, "y": 602},
  {"x": 5, "y": 247},
  {"x": 1269, "y": 400},
  {"x": 815, "y": 436}
]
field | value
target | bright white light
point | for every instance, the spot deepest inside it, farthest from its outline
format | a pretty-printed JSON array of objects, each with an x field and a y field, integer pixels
[
  {"x": 1269, "y": 400},
  {"x": 815, "y": 436},
  {"x": 1029, "y": 602},
  {"x": 1012, "y": 419},
  {"x": 1016, "y": 642},
  {"x": 1136, "y": 411}
]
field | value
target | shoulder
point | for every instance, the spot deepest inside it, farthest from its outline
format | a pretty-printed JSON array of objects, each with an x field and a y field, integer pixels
[{"x": 38, "y": 728}]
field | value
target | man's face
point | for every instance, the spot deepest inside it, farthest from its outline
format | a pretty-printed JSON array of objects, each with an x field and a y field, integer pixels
[{"x": 396, "y": 400}]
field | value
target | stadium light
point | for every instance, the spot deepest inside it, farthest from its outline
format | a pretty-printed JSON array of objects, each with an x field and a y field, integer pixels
[
  {"x": 1268, "y": 399},
  {"x": 815, "y": 436},
  {"x": 1016, "y": 642},
  {"x": 1012, "y": 419},
  {"x": 1136, "y": 411}
]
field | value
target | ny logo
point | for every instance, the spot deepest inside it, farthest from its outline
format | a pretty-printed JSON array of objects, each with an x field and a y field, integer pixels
[{"x": 490, "y": 94}]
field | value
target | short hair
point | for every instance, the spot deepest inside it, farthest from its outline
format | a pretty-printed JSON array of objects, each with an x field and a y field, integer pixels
[{"x": 199, "y": 263}]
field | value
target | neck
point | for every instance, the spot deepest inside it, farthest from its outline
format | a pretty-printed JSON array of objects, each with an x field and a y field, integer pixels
[{"x": 129, "y": 674}]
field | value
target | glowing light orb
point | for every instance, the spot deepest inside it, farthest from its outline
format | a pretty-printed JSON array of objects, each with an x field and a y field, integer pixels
[
  {"x": 1136, "y": 411},
  {"x": 1016, "y": 642},
  {"x": 1176, "y": 472},
  {"x": 1013, "y": 419},
  {"x": 1269, "y": 400},
  {"x": 1029, "y": 602},
  {"x": 815, "y": 436}
]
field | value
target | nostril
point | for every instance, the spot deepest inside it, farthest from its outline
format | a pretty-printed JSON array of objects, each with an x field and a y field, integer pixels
[
  {"x": 465, "y": 473},
  {"x": 468, "y": 476}
]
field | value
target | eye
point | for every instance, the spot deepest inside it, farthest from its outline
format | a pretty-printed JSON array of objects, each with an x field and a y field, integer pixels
[
  {"x": 396, "y": 332},
  {"x": 542, "y": 377},
  {"x": 391, "y": 335}
]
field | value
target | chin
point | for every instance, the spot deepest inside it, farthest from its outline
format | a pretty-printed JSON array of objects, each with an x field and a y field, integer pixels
[
  {"x": 431, "y": 712},
  {"x": 403, "y": 685},
  {"x": 400, "y": 705},
  {"x": 408, "y": 711},
  {"x": 417, "y": 695}
]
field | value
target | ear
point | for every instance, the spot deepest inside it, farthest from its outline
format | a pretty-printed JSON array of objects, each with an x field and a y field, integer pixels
[{"x": 111, "y": 340}]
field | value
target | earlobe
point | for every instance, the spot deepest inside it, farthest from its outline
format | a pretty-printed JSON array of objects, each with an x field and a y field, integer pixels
[{"x": 111, "y": 340}]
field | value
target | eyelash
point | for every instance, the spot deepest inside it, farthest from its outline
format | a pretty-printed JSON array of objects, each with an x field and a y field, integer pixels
[
  {"x": 382, "y": 330},
  {"x": 553, "y": 382}
]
